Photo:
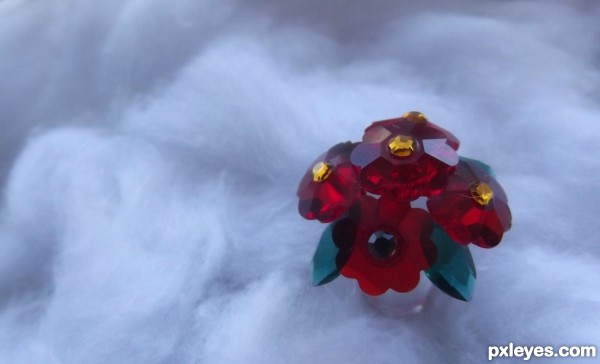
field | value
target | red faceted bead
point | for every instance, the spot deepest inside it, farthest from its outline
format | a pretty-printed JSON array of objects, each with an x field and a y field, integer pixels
[
  {"x": 410, "y": 123},
  {"x": 384, "y": 244},
  {"x": 473, "y": 207},
  {"x": 406, "y": 158},
  {"x": 331, "y": 186}
]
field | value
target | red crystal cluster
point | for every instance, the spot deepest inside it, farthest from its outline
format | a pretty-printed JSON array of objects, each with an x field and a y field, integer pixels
[{"x": 383, "y": 241}]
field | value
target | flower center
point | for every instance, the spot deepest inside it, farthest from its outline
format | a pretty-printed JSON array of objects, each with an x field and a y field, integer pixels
[
  {"x": 482, "y": 193},
  {"x": 382, "y": 245},
  {"x": 321, "y": 171},
  {"x": 415, "y": 117},
  {"x": 401, "y": 146}
]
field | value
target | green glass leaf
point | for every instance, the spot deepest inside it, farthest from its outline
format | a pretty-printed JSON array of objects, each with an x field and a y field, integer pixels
[
  {"x": 482, "y": 165},
  {"x": 454, "y": 271},
  {"x": 324, "y": 268}
]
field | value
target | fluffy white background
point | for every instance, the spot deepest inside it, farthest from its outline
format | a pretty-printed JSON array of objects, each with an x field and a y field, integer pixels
[{"x": 150, "y": 152}]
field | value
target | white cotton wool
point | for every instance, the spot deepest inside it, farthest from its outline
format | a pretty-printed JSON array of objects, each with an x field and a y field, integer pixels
[{"x": 150, "y": 153}]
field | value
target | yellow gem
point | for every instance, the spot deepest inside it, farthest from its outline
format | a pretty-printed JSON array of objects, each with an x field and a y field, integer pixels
[
  {"x": 321, "y": 171},
  {"x": 415, "y": 117},
  {"x": 482, "y": 193},
  {"x": 401, "y": 146}
]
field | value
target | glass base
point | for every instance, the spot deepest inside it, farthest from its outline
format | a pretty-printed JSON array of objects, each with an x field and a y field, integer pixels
[{"x": 397, "y": 304}]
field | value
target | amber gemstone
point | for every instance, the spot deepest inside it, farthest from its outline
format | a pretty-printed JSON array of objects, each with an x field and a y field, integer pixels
[
  {"x": 321, "y": 171},
  {"x": 401, "y": 146},
  {"x": 482, "y": 193},
  {"x": 384, "y": 244},
  {"x": 415, "y": 117},
  {"x": 330, "y": 186},
  {"x": 406, "y": 158},
  {"x": 473, "y": 207}
]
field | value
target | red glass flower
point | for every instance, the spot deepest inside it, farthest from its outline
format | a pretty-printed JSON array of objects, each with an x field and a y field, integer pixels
[
  {"x": 473, "y": 207},
  {"x": 378, "y": 238},
  {"x": 384, "y": 244},
  {"x": 330, "y": 186},
  {"x": 407, "y": 157}
]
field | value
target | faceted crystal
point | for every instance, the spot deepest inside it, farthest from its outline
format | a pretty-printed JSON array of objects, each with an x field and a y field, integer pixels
[
  {"x": 401, "y": 146},
  {"x": 473, "y": 207},
  {"x": 405, "y": 159},
  {"x": 321, "y": 171},
  {"x": 330, "y": 186},
  {"x": 409, "y": 124},
  {"x": 454, "y": 270},
  {"x": 415, "y": 117},
  {"x": 382, "y": 244},
  {"x": 324, "y": 268},
  {"x": 482, "y": 193},
  {"x": 441, "y": 151}
]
